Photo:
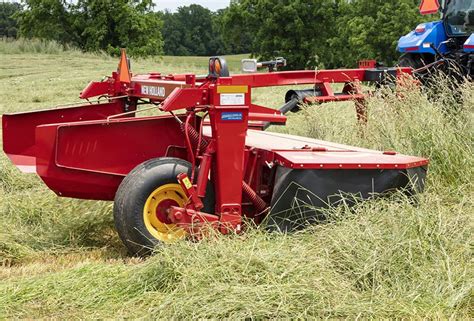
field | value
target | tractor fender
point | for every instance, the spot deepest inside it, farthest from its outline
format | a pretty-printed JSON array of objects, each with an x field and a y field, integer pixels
[
  {"x": 469, "y": 44},
  {"x": 426, "y": 33}
]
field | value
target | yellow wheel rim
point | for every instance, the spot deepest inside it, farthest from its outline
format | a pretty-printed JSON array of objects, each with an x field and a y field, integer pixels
[{"x": 156, "y": 209}]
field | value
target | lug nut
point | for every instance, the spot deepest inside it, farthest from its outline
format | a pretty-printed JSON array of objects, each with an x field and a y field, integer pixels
[{"x": 178, "y": 215}]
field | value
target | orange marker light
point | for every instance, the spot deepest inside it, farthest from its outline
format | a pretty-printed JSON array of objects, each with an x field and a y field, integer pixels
[
  {"x": 429, "y": 6},
  {"x": 124, "y": 73},
  {"x": 218, "y": 66}
]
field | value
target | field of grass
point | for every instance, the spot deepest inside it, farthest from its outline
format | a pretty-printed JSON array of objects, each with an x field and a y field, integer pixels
[{"x": 61, "y": 258}]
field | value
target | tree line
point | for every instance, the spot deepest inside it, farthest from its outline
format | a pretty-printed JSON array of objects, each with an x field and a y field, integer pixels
[{"x": 309, "y": 33}]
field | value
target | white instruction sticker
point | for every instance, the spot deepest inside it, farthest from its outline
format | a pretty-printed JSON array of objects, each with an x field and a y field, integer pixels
[{"x": 232, "y": 99}]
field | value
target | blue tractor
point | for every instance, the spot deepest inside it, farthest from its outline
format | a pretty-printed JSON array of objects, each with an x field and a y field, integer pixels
[{"x": 446, "y": 45}]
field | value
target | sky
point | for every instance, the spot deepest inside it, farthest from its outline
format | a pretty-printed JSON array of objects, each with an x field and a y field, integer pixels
[{"x": 172, "y": 5}]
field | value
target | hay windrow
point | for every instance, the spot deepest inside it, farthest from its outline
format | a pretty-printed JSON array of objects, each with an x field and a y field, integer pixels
[{"x": 384, "y": 259}]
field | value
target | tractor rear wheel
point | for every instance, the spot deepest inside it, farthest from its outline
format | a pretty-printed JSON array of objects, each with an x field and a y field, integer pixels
[
  {"x": 414, "y": 61},
  {"x": 143, "y": 201},
  {"x": 417, "y": 62}
]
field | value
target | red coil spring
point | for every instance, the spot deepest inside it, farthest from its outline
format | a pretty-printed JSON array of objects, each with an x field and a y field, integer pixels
[
  {"x": 194, "y": 136},
  {"x": 257, "y": 201}
]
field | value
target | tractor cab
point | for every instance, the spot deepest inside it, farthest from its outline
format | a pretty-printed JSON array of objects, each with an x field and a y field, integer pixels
[
  {"x": 446, "y": 44},
  {"x": 458, "y": 16}
]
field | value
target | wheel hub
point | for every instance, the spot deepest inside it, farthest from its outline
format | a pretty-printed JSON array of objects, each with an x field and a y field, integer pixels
[{"x": 156, "y": 212}]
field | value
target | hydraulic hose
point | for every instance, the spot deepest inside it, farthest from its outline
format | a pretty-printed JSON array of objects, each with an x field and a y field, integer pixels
[{"x": 194, "y": 136}]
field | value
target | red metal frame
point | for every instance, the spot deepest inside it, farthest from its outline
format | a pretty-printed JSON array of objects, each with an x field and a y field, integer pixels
[{"x": 83, "y": 153}]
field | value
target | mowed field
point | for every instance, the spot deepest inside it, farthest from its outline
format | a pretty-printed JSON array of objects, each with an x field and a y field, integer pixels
[{"x": 61, "y": 258}]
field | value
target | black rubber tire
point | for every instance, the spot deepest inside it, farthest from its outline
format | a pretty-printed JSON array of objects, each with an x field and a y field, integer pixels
[
  {"x": 133, "y": 193},
  {"x": 429, "y": 80},
  {"x": 417, "y": 61},
  {"x": 414, "y": 61}
]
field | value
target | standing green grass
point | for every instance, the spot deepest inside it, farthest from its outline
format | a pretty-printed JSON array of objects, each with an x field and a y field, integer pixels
[{"x": 61, "y": 258}]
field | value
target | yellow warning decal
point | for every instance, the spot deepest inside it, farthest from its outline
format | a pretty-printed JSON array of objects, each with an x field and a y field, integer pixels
[
  {"x": 187, "y": 183},
  {"x": 232, "y": 89}
]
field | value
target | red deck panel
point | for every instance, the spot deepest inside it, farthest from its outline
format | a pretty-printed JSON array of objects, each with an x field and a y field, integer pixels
[
  {"x": 289, "y": 151},
  {"x": 346, "y": 160},
  {"x": 276, "y": 141}
]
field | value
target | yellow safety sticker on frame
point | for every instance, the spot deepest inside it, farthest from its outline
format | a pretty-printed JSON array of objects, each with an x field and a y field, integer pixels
[
  {"x": 232, "y": 89},
  {"x": 187, "y": 183}
]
